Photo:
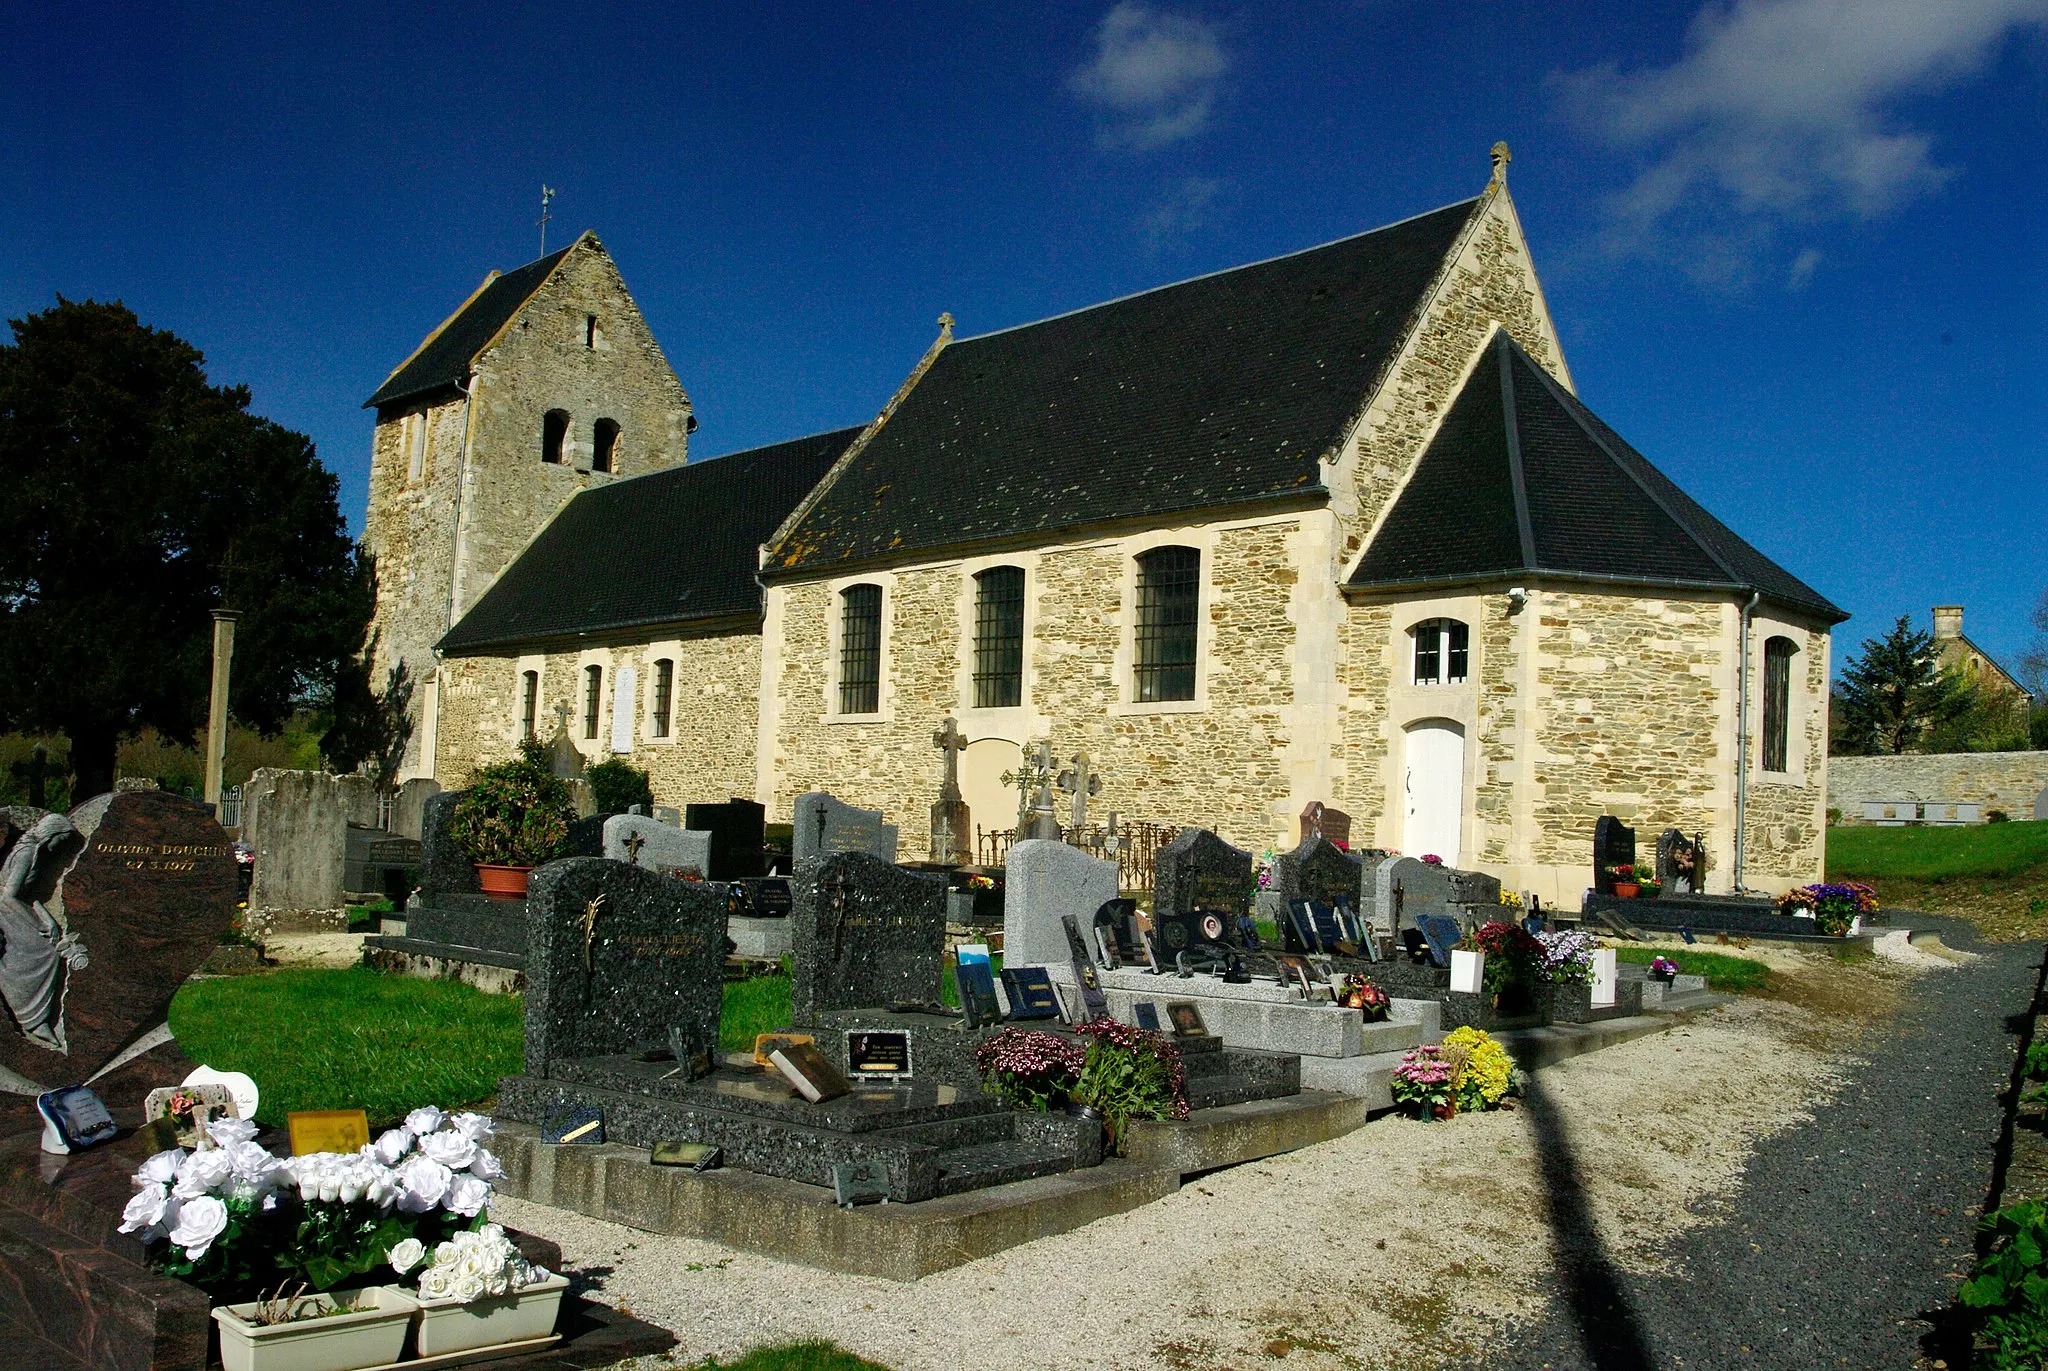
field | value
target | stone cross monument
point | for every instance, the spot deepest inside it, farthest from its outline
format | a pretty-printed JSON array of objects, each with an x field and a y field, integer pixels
[
  {"x": 1081, "y": 782},
  {"x": 950, "y": 821}
]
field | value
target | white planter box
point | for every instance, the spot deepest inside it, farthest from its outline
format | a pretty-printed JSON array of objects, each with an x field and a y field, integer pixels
[
  {"x": 371, "y": 1336},
  {"x": 451, "y": 1326}
]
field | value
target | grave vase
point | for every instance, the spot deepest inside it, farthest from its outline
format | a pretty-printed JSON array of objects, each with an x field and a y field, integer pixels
[
  {"x": 502, "y": 880},
  {"x": 447, "y": 1326},
  {"x": 1626, "y": 890},
  {"x": 370, "y": 1335}
]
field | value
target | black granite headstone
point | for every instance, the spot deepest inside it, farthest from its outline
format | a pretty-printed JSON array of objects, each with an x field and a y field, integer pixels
[
  {"x": 617, "y": 956},
  {"x": 737, "y": 830},
  {"x": 867, "y": 934},
  {"x": 1442, "y": 933},
  {"x": 586, "y": 837},
  {"x": 1198, "y": 870},
  {"x": 1614, "y": 844},
  {"x": 445, "y": 869},
  {"x": 1321, "y": 871}
]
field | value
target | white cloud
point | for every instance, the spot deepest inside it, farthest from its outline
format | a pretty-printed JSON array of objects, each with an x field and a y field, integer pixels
[
  {"x": 1183, "y": 210},
  {"x": 1801, "y": 274},
  {"x": 1154, "y": 75},
  {"x": 1779, "y": 110}
]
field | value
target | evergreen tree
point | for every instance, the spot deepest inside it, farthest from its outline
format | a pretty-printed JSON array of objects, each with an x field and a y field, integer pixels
[
  {"x": 135, "y": 497},
  {"x": 1895, "y": 694}
]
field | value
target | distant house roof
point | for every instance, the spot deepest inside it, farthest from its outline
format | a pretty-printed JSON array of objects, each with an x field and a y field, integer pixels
[
  {"x": 443, "y": 360},
  {"x": 679, "y": 546},
  {"x": 1224, "y": 390},
  {"x": 1523, "y": 479}
]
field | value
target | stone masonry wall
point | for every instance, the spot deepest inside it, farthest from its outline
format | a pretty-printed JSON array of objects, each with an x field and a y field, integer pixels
[
  {"x": 1220, "y": 763},
  {"x": 708, "y": 757},
  {"x": 2012, "y": 781},
  {"x": 1786, "y": 816}
]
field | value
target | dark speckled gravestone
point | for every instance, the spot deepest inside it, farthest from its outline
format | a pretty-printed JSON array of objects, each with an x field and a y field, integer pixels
[
  {"x": 1198, "y": 870},
  {"x": 616, "y": 976},
  {"x": 1321, "y": 871},
  {"x": 445, "y": 869},
  {"x": 867, "y": 934}
]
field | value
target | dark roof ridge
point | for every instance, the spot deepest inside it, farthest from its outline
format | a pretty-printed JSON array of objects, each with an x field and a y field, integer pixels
[
  {"x": 1473, "y": 200},
  {"x": 1518, "y": 476},
  {"x": 436, "y": 370}
]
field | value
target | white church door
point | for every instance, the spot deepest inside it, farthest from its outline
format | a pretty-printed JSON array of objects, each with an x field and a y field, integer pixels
[{"x": 1435, "y": 784}]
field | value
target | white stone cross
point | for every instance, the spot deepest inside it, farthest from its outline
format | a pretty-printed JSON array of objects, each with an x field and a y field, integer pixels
[
  {"x": 951, "y": 741},
  {"x": 1080, "y": 782}
]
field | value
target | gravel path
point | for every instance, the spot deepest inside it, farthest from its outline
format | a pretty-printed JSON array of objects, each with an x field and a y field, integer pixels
[{"x": 1844, "y": 1232}]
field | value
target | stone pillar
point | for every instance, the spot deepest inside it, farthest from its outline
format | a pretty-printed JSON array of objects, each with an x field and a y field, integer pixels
[{"x": 217, "y": 709}]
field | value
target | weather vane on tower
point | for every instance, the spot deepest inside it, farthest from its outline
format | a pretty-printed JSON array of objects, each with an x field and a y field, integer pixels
[{"x": 547, "y": 196}]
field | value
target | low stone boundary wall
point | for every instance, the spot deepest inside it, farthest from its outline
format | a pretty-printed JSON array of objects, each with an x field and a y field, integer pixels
[{"x": 2016, "y": 782}]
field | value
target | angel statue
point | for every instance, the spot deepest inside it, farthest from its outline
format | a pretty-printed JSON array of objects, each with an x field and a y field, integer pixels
[{"x": 34, "y": 948}]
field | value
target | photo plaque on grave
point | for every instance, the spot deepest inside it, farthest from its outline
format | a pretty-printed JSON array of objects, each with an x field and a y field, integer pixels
[{"x": 877, "y": 1054}]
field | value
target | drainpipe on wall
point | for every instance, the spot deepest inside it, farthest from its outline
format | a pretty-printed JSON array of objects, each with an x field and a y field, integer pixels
[{"x": 1742, "y": 742}]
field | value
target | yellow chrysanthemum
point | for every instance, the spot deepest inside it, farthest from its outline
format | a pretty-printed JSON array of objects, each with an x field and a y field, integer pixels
[{"x": 1488, "y": 1068}]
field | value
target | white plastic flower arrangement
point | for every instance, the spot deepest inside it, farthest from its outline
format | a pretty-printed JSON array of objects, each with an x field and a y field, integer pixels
[
  {"x": 471, "y": 1266},
  {"x": 185, "y": 1197}
]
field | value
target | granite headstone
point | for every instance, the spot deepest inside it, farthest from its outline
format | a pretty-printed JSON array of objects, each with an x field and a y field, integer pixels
[
  {"x": 616, "y": 957},
  {"x": 738, "y": 833},
  {"x": 1614, "y": 844},
  {"x": 639, "y": 841},
  {"x": 867, "y": 934},
  {"x": 1198, "y": 870},
  {"x": 823, "y": 826},
  {"x": 586, "y": 836},
  {"x": 445, "y": 868},
  {"x": 1319, "y": 870},
  {"x": 1044, "y": 881},
  {"x": 105, "y": 912},
  {"x": 1318, "y": 820}
]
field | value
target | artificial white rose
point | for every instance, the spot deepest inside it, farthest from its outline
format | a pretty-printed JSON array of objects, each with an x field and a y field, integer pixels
[
  {"x": 449, "y": 1148},
  {"x": 392, "y": 1145},
  {"x": 225, "y": 1131},
  {"x": 467, "y": 1287},
  {"x": 202, "y": 1173},
  {"x": 485, "y": 1166},
  {"x": 146, "y": 1209},
  {"x": 435, "y": 1283},
  {"x": 406, "y": 1255},
  {"x": 423, "y": 1120},
  {"x": 161, "y": 1169},
  {"x": 467, "y": 1196},
  {"x": 475, "y": 1127},
  {"x": 200, "y": 1221},
  {"x": 423, "y": 1182}
]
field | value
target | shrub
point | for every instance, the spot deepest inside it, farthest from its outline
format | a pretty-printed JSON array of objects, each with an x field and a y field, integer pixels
[
  {"x": 1488, "y": 1072},
  {"x": 517, "y": 813},
  {"x": 1997, "y": 816},
  {"x": 617, "y": 786},
  {"x": 2009, "y": 1287}
]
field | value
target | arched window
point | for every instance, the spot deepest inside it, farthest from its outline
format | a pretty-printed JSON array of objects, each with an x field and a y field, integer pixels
[
  {"x": 1777, "y": 700},
  {"x": 604, "y": 446},
  {"x": 664, "y": 688},
  {"x": 860, "y": 650},
  {"x": 1169, "y": 596},
  {"x": 1443, "y": 651},
  {"x": 554, "y": 431},
  {"x": 529, "y": 703},
  {"x": 593, "y": 696},
  {"x": 999, "y": 638}
]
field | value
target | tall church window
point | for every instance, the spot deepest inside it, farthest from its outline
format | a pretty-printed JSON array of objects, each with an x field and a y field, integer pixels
[
  {"x": 554, "y": 432},
  {"x": 529, "y": 703},
  {"x": 590, "y": 330},
  {"x": 604, "y": 446},
  {"x": 1443, "y": 651},
  {"x": 1777, "y": 700},
  {"x": 664, "y": 688},
  {"x": 593, "y": 696},
  {"x": 1169, "y": 594},
  {"x": 860, "y": 650},
  {"x": 999, "y": 638}
]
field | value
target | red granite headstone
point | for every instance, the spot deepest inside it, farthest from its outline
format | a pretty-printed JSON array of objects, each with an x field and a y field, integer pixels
[{"x": 145, "y": 890}]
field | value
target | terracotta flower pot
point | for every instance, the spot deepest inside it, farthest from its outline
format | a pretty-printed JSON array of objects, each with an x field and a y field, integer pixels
[
  {"x": 502, "y": 880},
  {"x": 1626, "y": 890}
]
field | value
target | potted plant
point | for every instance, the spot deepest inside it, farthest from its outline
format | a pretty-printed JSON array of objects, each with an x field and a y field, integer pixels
[
  {"x": 1833, "y": 908},
  {"x": 1425, "y": 1084},
  {"x": 1128, "y": 1073},
  {"x": 1663, "y": 969},
  {"x": 1648, "y": 887},
  {"x": 515, "y": 817},
  {"x": 1513, "y": 957},
  {"x": 1029, "y": 1068},
  {"x": 1567, "y": 957},
  {"x": 302, "y": 1332},
  {"x": 1368, "y": 999},
  {"x": 1486, "y": 1074},
  {"x": 1625, "y": 880},
  {"x": 477, "y": 1291}
]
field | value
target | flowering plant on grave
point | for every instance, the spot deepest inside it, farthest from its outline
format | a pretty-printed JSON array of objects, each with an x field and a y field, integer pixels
[
  {"x": 1488, "y": 1073},
  {"x": 1567, "y": 958},
  {"x": 233, "y": 1218},
  {"x": 1266, "y": 872},
  {"x": 472, "y": 1265},
  {"x": 1029, "y": 1068},
  {"x": 1431, "y": 859},
  {"x": 1834, "y": 907},
  {"x": 1425, "y": 1084},
  {"x": 1129, "y": 1073},
  {"x": 1371, "y": 1001},
  {"x": 1625, "y": 874},
  {"x": 977, "y": 881},
  {"x": 1663, "y": 966},
  {"x": 1510, "y": 899},
  {"x": 1512, "y": 956}
]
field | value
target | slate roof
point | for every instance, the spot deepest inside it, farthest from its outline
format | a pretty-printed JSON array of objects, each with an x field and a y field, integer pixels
[
  {"x": 445, "y": 357},
  {"x": 1219, "y": 391},
  {"x": 1523, "y": 479},
  {"x": 673, "y": 547}
]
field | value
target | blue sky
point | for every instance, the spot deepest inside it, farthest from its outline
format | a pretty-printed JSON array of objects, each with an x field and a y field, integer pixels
[{"x": 1793, "y": 246}]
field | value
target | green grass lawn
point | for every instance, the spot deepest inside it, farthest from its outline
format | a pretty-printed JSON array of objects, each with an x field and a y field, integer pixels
[
  {"x": 359, "y": 1039},
  {"x": 794, "y": 1356},
  {"x": 1867, "y": 852},
  {"x": 1722, "y": 971}
]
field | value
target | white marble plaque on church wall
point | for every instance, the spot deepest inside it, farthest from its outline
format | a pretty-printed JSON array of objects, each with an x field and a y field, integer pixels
[{"x": 625, "y": 698}]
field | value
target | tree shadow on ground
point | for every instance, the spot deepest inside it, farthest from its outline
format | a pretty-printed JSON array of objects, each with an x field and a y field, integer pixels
[{"x": 1591, "y": 1288}]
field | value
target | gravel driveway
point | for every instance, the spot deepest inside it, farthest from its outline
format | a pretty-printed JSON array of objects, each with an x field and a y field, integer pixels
[{"x": 1845, "y": 1231}]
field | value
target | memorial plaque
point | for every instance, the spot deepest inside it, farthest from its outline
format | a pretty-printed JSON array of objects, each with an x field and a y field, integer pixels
[
  {"x": 1094, "y": 1003},
  {"x": 1186, "y": 1018},
  {"x": 1442, "y": 934},
  {"x": 873, "y": 1054},
  {"x": 616, "y": 957},
  {"x": 867, "y": 934},
  {"x": 327, "y": 1130},
  {"x": 1147, "y": 1014},
  {"x": 1031, "y": 993},
  {"x": 103, "y": 915},
  {"x": 1198, "y": 870}
]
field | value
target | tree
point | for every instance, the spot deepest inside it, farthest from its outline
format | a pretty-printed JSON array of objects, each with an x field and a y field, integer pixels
[
  {"x": 135, "y": 497},
  {"x": 1895, "y": 693},
  {"x": 367, "y": 727}
]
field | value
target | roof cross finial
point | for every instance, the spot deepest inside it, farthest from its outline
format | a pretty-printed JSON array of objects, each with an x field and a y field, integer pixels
[
  {"x": 1501, "y": 158},
  {"x": 946, "y": 327}
]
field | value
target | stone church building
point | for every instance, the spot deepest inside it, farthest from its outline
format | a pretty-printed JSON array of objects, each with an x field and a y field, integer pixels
[{"x": 1333, "y": 526}]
